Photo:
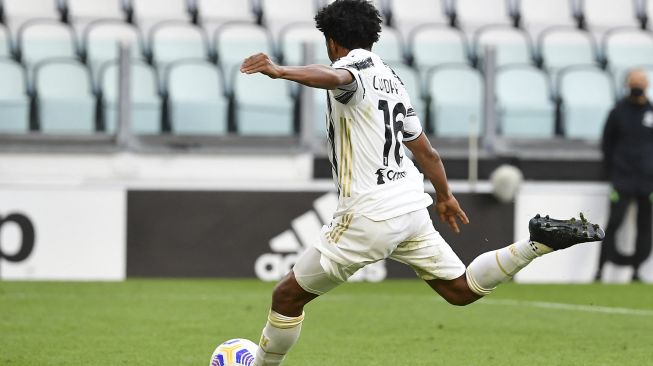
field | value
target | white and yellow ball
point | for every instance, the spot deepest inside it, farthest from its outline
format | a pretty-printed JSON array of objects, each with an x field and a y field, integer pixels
[{"x": 234, "y": 352}]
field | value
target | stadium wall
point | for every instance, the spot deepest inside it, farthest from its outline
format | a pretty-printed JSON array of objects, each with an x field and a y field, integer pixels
[{"x": 109, "y": 217}]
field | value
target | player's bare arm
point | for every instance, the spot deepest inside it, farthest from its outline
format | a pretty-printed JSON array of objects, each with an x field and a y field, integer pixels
[
  {"x": 429, "y": 160},
  {"x": 316, "y": 76}
]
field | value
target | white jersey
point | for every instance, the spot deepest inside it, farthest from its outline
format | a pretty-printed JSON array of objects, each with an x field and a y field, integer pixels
[{"x": 367, "y": 122}]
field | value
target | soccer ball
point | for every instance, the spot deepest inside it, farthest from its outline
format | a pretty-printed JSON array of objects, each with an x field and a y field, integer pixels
[{"x": 234, "y": 352}]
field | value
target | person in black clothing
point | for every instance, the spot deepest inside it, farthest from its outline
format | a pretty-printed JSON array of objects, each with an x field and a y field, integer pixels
[{"x": 628, "y": 159}]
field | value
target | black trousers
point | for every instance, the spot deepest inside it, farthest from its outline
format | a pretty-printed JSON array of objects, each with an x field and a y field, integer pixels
[{"x": 643, "y": 239}]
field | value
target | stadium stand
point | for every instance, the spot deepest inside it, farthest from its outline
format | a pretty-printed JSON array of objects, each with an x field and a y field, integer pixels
[
  {"x": 586, "y": 94},
  {"x": 524, "y": 102},
  {"x": 40, "y": 40},
  {"x": 536, "y": 15},
  {"x": 472, "y": 14},
  {"x": 290, "y": 43},
  {"x": 258, "y": 114},
  {"x": 390, "y": 46},
  {"x": 17, "y": 12},
  {"x": 513, "y": 46},
  {"x": 196, "y": 100},
  {"x": 173, "y": 40},
  {"x": 454, "y": 109},
  {"x": 64, "y": 97},
  {"x": 148, "y": 13},
  {"x": 431, "y": 45},
  {"x": 102, "y": 38},
  {"x": 14, "y": 101},
  {"x": 211, "y": 14},
  {"x": 559, "y": 47},
  {"x": 624, "y": 48},
  {"x": 81, "y": 13},
  {"x": 406, "y": 15},
  {"x": 602, "y": 15},
  {"x": 277, "y": 14},
  {"x": 236, "y": 41},
  {"x": 144, "y": 94}
]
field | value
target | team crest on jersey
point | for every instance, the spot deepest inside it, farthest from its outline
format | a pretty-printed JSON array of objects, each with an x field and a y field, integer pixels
[{"x": 648, "y": 119}]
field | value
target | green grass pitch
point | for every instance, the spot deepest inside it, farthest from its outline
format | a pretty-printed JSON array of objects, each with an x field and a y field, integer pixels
[{"x": 180, "y": 322}]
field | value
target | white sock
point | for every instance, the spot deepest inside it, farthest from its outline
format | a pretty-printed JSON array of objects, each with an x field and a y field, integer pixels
[
  {"x": 279, "y": 335},
  {"x": 492, "y": 268}
]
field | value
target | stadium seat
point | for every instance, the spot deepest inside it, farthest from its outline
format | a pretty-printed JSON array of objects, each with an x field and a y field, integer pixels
[
  {"x": 437, "y": 45},
  {"x": 212, "y": 14},
  {"x": 17, "y": 12},
  {"x": 5, "y": 42},
  {"x": 145, "y": 99},
  {"x": 40, "y": 40},
  {"x": 102, "y": 39},
  {"x": 409, "y": 14},
  {"x": 235, "y": 42},
  {"x": 647, "y": 13},
  {"x": 174, "y": 41},
  {"x": 587, "y": 95},
  {"x": 453, "y": 110},
  {"x": 278, "y": 14},
  {"x": 524, "y": 104},
  {"x": 627, "y": 48},
  {"x": 83, "y": 12},
  {"x": 148, "y": 13},
  {"x": 263, "y": 105},
  {"x": 196, "y": 98},
  {"x": 513, "y": 46},
  {"x": 537, "y": 15},
  {"x": 562, "y": 46},
  {"x": 390, "y": 46},
  {"x": 14, "y": 102},
  {"x": 293, "y": 37},
  {"x": 473, "y": 14},
  {"x": 601, "y": 15},
  {"x": 65, "y": 99}
]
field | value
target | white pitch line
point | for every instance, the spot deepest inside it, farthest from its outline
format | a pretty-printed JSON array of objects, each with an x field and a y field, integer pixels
[{"x": 571, "y": 307}]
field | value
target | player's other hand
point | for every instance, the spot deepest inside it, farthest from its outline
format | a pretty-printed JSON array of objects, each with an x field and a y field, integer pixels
[
  {"x": 260, "y": 62},
  {"x": 450, "y": 212}
]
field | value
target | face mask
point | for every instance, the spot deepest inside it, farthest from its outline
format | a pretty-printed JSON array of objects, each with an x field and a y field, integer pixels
[{"x": 636, "y": 92}]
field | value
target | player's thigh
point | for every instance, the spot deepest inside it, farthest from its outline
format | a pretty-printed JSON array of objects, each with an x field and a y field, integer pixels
[
  {"x": 311, "y": 275},
  {"x": 427, "y": 253}
]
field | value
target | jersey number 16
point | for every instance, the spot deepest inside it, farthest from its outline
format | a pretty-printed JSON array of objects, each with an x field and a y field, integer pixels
[{"x": 392, "y": 129}]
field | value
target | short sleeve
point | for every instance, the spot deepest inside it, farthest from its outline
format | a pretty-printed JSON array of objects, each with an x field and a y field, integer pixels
[
  {"x": 353, "y": 93},
  {"x": 412, "y": 125}
]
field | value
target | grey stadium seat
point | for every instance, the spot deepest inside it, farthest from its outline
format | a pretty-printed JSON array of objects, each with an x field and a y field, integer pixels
[
  {"x": 196, "y": 100},
  {"x": 524, "y": 102},
  {"x": 66, "y": 103},
  {"x": 587, "y": 96},
  {"x": 263, "y": 105},
  {"x": 409, "y": 14},
  {"x": 627, "y": 48},
  {"x": 538, "y": 15},
  {"x": 474, "y": 14},
  {"x": 437, "y": 45},
  {"x": 14, "y": 102},
  {"x": 213, "y": 13},
  {"x": 278, "y": 14},
  {"x": 562, "y": 47},
  {"x": 148, "y": 13},
  {"x": 102, "y": 39},
  {"x": 40, "y": 40},
  {"x": 291, "y": 40},
  {"x": 81, "y": 13},
  {"x": 390, "y": 46},
  {"x": 17, "y": 12},
  {"x": 513, "y": 46},
  {"x": 601, "y": 15},
  {"x": 145, "y": 100},
  {"x": 235, "y": 42},
  {"x": 5, "y": 42},
  {"x": 454, "y": 110},
  {"x": 175, "y": 41}
]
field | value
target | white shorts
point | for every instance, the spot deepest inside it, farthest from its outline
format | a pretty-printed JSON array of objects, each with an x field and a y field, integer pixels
[{"x": 352, "y": 241}]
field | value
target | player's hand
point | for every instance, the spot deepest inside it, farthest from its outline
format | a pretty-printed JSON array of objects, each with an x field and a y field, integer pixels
[
  {"x": 260, "y": 62},
  {"x": 449, "y": 211}
]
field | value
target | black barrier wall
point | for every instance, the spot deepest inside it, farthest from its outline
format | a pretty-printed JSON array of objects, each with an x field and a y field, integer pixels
[{"x": 232, "y": 234}]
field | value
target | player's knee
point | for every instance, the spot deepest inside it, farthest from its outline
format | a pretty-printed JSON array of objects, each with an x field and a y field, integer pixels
[{"x": 287, "y": 293}]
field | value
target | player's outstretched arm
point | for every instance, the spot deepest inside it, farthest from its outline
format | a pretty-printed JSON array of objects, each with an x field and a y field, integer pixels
[
  {"x": 316, "y": 76},
  {"x": 429, "y": 160}
]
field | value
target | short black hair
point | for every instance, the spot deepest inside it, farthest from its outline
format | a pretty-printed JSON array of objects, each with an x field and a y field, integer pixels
[{"x": 350, "y": 23}]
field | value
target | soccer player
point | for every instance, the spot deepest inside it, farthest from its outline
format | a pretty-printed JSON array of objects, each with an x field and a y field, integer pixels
[{"x": 382, "y": 205}]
